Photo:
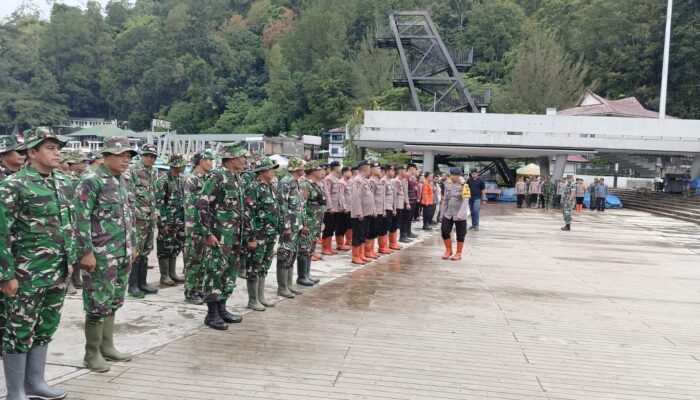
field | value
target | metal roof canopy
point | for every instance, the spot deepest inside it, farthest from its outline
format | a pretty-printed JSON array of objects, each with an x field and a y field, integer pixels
[{"x": 474, "y": 133}]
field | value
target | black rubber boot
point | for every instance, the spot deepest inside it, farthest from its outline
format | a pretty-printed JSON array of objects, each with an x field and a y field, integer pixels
[
  {"x": 302, "y": 279},
  {"x": 213, "y": 319},
  {"x": 308, "y": 272},
  {"x": 143, "y": 276},
  {"x": 227, "y": 316},
  {"x": 290, "y": 282},
  {"x": 282, "y": 289},
  {"x": 566, "y": 227},
  {"x": 134, "y": 290}
]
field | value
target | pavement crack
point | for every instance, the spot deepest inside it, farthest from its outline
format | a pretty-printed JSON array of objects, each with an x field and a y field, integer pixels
[
  {"x": 515, "y": 337},
  {"x": 540, "y": 383},
  {"x": 346, "y": 353},
  {"x": 695, "y": 358},
  {"x": 336, "y": 378},
  {"x": 525, "y": 356},
  {"x": 668, "y": 340}
]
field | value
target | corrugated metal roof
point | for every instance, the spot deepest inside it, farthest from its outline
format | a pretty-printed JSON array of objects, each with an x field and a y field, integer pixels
[{"x": 593, "y": 104}]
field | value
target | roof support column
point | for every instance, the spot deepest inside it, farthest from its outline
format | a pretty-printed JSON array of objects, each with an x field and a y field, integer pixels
[
  {"x": 428, "y": 161},
  {"x": 544, "y": 166},
  {"x": 559, "y": 166},
  {"x": 695, "y": 168}
]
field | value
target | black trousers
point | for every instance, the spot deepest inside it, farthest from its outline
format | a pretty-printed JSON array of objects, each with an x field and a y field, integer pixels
[
  {"x": 416, "y": 210},
  {"x": 446, "y": 228},
  {"x": 373, "y": 224},
  {"x": 533, "y": 199},
  {"x": 384, "y": 223},
  {"x": 342, "y": 223},
  {"x": 521, "y": 199},
  {"x": 393, "y": 221},
  {"x": 405, "y": 221},
  {"x": 557, "y": 200},
  {"x": 593, "y": 202},
  {"x": 600, "y": 203},
  {"x": 358, "y": 231},
  {"x": 428, "y": 213},
  {"x": 329, "y": 224}
]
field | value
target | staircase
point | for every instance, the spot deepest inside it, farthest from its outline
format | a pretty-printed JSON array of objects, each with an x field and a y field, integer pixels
[
  {"x": 668, "y": 205},
  {"x": 644, "y": 167}
]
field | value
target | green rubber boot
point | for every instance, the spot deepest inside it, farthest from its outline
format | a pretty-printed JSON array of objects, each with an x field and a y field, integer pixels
[
  {"x": 261, "y": 293},
  {"x": 164, "y": 267},
  {"x": 107, "y": 347},
  {"x": 93, "y": 339},
  {"x": 253, "y": 302}
]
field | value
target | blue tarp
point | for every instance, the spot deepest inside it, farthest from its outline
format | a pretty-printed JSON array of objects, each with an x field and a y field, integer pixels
[
  {"x": 696, "y": 184},
  {"x": 611, "y": 201},
  {"x": 491, "y": 185},
  {"x": 508, "y": 195}
]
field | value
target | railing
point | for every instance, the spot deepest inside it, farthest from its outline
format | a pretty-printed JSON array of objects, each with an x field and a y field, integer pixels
[{"x": 605, "y": 170}]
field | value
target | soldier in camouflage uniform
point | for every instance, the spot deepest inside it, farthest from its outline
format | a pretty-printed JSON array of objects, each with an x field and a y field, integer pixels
[
  {"x": 11, "y": 160},
  {"x": 262, "y": 209},
  {"x": 94, "y": 160},
  {"x": 142, "y": 195},
  {"x": 106, "y": 249},
  {"x": 568, "y": 199},
  {"x": 38, "y": 248},
  {"x": 549, "y": 189},
  {"x": 315, "y": 206},
  {"x": 219, "y": 216},
  {"x": 195, "y": 250},
  {"x": 292, "y": 205},
  {"x": 76, "y": 167},
  {"x": 170, "y": 200}
]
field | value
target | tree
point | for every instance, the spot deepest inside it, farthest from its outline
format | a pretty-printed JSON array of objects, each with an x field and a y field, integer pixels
[{"x": 543, "y": 75}]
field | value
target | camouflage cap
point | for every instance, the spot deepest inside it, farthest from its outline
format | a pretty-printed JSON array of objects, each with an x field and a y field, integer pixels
[
  {"x": 232, "y": 151},
  {"x": 64, "y": 156},
  {"x": 8, "y": 144},
  {"x": 264, "y": 164},
  {"x": 76, "y": 157},
  {"x": 117, "y": 145},
  {"x": 176, "y": 161},
  {"x": 38, "y": 136},
  {"x": 295, "y": 164},
  {"x": 94, "y": 155},
  {"x": 148, "y": 149},
  {"x": 202, "y": 155},
  {"x": 313, "y": 165}
]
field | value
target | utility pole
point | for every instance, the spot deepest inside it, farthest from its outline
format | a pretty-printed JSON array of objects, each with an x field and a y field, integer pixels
[{"x": 664, "y": 72}]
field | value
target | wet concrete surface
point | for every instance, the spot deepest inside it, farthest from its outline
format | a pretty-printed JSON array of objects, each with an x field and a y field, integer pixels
[{"x": 607, "y": 311}]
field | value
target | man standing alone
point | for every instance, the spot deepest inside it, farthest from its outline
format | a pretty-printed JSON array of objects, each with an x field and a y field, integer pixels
[{"x": 476, "y": 187}]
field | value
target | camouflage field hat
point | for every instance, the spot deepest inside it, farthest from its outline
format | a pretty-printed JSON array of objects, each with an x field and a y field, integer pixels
[
  {"x": 76, "y": 157},
  {"x": 94, "y": 155},
  {"x": 176, "y": 161},
  {"x": 202, "y": 155},
  {"x": 118, "y": 145},
  {"x": 232, "y": 151},
  {"x": 263, "y": 164},
  {"x": 64, "y": 156},
  {"x": 39, "y": 135},
  {"x": 312, "y": 165},
  {"x": 295, "y": 164},
  {"x": 148, "y": 149},
  {"x": 8, "y": 144}
]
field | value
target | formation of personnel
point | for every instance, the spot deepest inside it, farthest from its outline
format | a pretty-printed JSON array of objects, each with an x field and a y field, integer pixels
[{"x": 70, "y": 221}]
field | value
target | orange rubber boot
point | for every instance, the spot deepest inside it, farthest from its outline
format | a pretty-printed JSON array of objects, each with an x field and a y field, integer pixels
[
  {"x": 368, "y": 249},
  {"x": 315, "y": 257},
  {"x": 326, "y": 246},
  {"x": 361, "y": 253},
  {"x": 448, "y": 249},
  {"x": 340, "y": 244},
  {"x": 348, "y": 237},
  {"x": 393, "y": 241},
  {"x": 383, "y": 245},
  {"x": 371, "y": 248},
  {"x": 356, "y": 256},
  {"x": 458, "y": 254}
]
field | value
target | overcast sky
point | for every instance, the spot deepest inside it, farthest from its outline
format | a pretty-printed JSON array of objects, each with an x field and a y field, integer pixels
[{"x": 7, "y": 7}]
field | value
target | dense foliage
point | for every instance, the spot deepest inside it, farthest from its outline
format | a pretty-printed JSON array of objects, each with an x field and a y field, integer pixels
[{"x": 300, "y": 66}]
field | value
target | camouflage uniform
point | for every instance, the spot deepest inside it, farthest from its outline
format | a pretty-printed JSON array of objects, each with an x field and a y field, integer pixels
[
  {"x": 315, "y": 207},
  {"x": 38, "y": 246},
  {"x": 568, "y": 200},
  {"x": 263, "y": 210},
  {"x": 219, "y": 212},
  {"x": 170, "y": 200},
  {"x": 549, "y": 189},
  {"x": 292, "y": 210},
  {"x": 104, "y": 228},
  {"x": 196, "y": 252}
]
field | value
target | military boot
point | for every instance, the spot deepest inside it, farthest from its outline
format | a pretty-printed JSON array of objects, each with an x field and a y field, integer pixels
[
  {"x": 261, "y": 293},
  {"x": 302, "y": 279},
  {"x": 70, "y": 289},
  {"x": 164, "y": 267},
  {"x": 35, "y": 385},
  {"x": 172, "y": 269},
  {"x": 566, "y": 227},
  {"x": 15, "y": 366},
  {"x": 253, "y": 302},
  {"x": 109, "y": 352},
  {"x": 225, "y": 315},
  {"x": 143, "y": 276},
  {"x": 93, "y": 340},
  {"x": 290, "y": 282},
  {"x": 308, "y": 272},
  {"x": 213, "y": 319},
  {"x": 134, "y": 290},
  {"x": 282, "y": 289}
]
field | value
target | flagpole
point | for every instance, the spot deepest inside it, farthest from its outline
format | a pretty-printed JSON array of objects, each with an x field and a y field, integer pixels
[{"x": 664, "y": 72}]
